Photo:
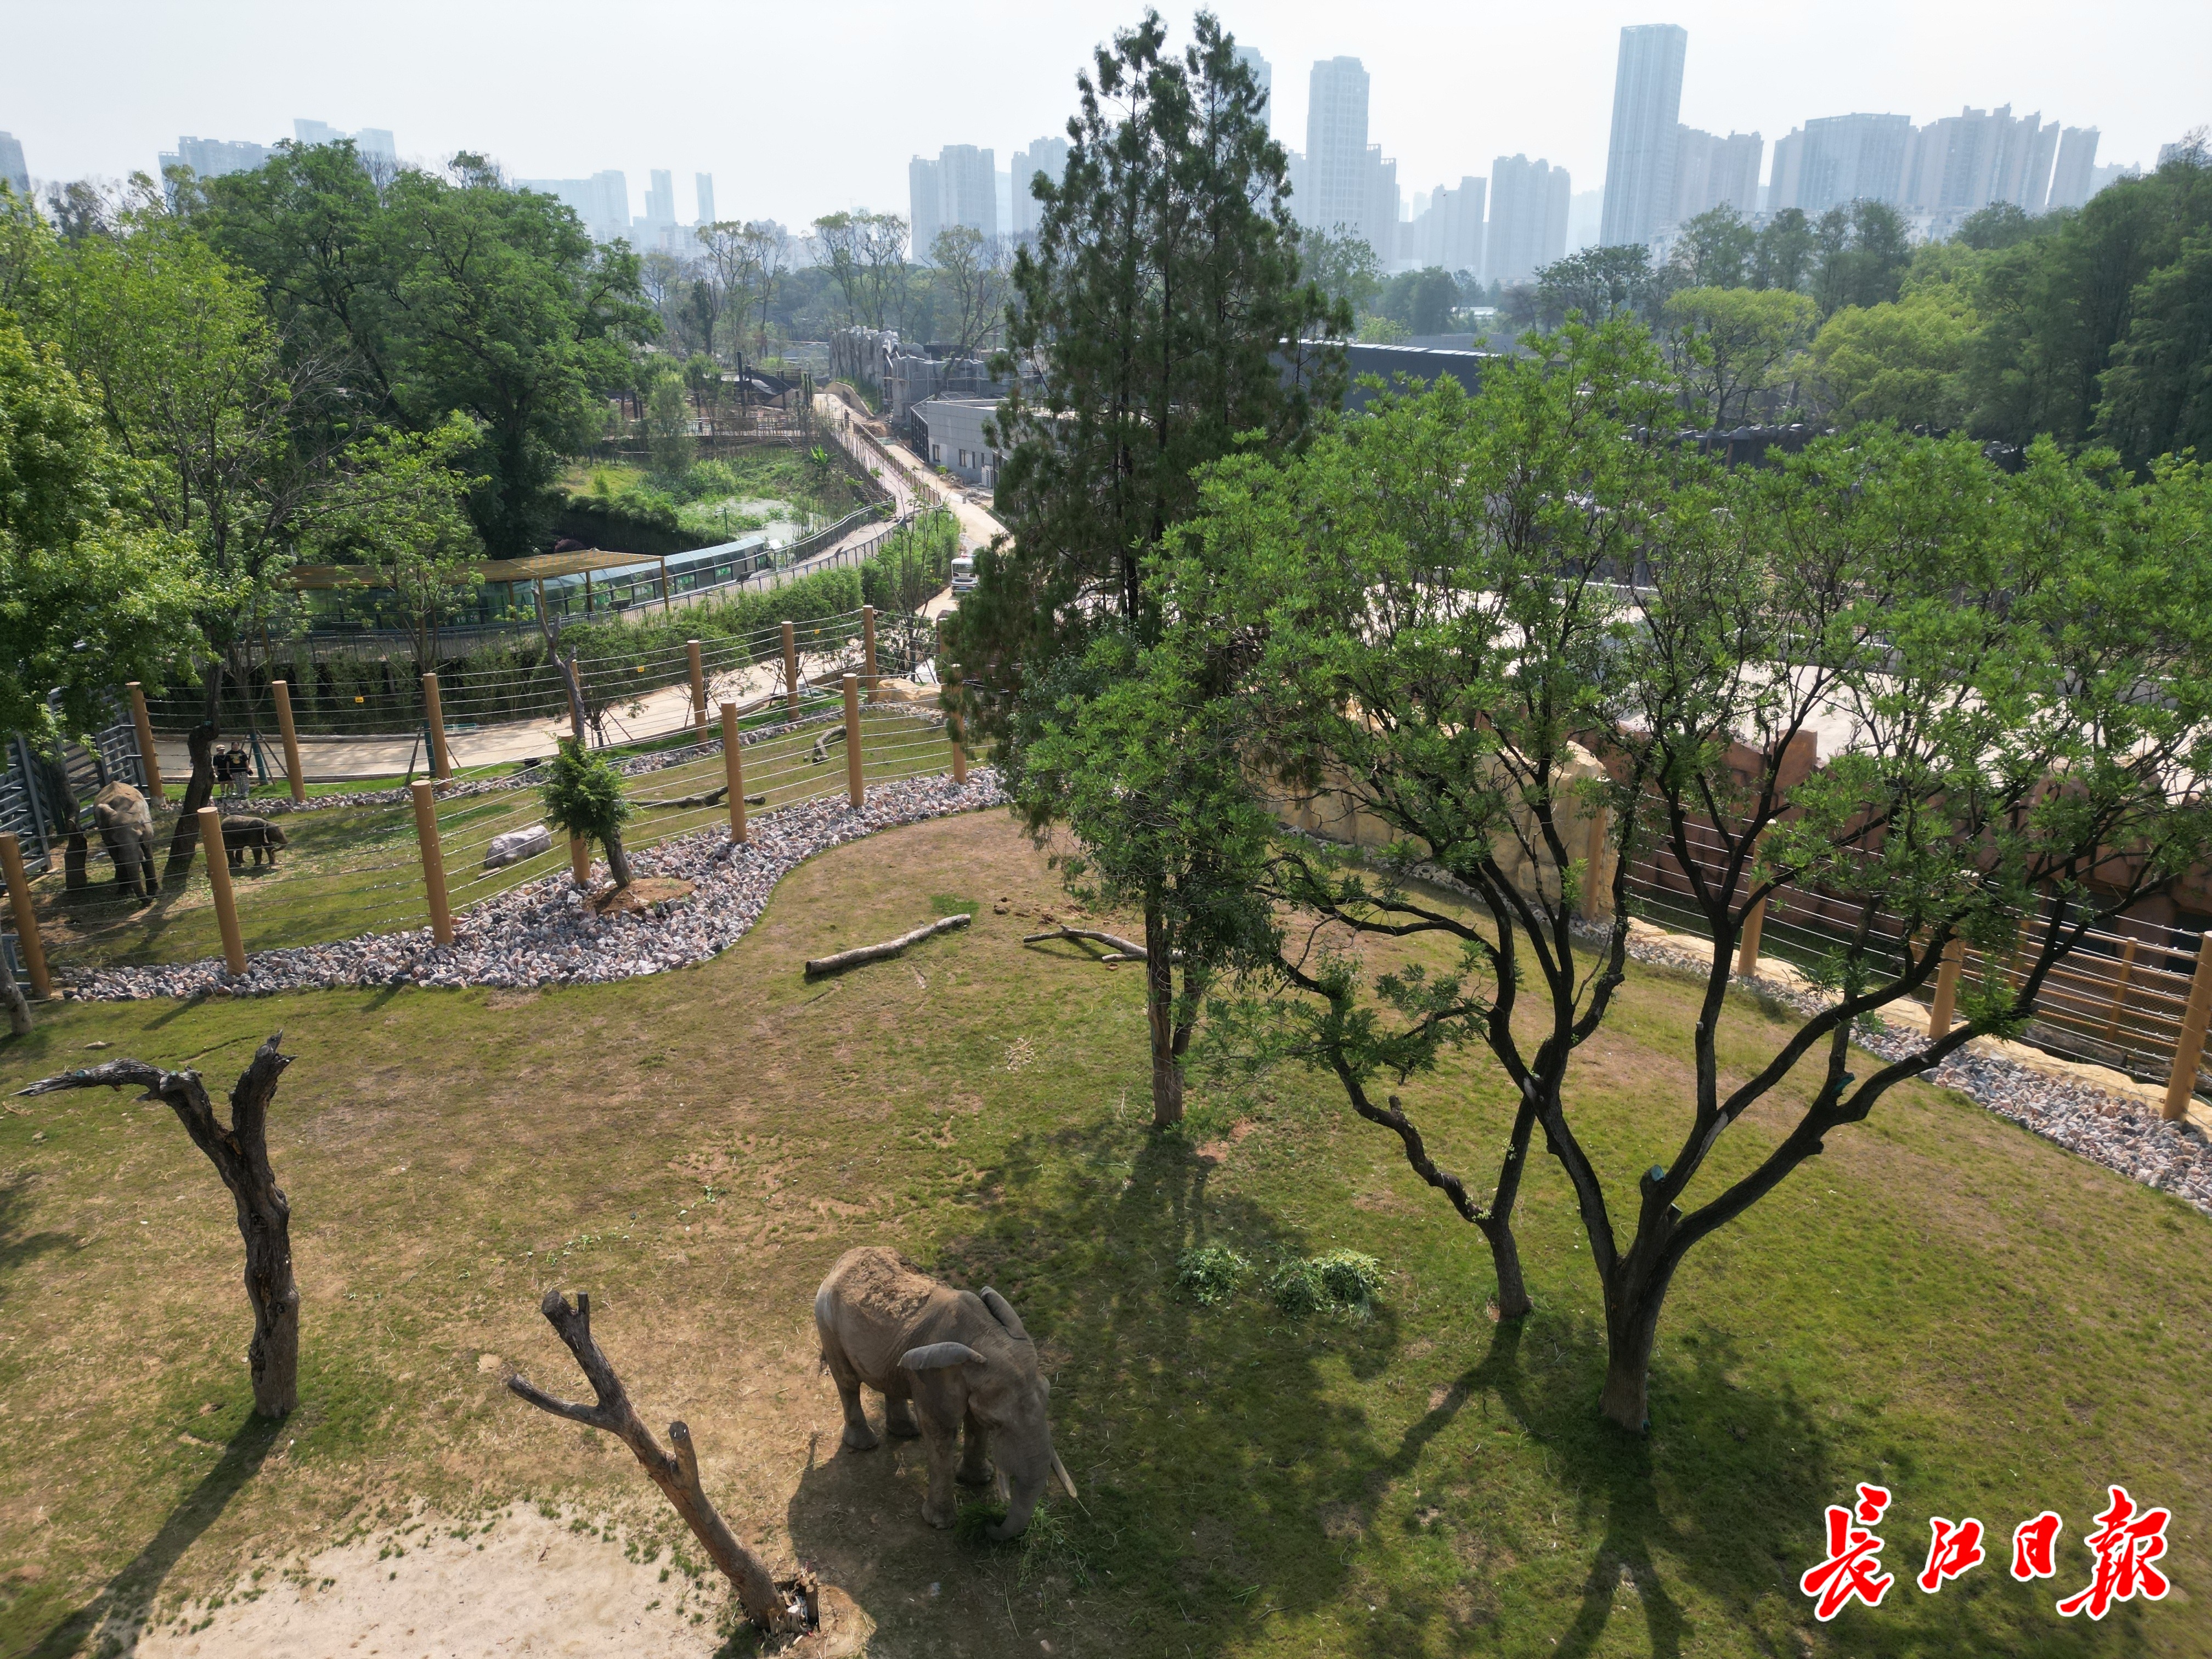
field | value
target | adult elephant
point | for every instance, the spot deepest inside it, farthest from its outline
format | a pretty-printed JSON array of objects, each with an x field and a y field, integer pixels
[{"x": 126, "y": 829}]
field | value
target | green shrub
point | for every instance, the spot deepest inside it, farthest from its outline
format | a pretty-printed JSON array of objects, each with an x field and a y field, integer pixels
[
  {"x": 1210, "y": 1273},
  {"x": 1342, "y": 1278}
]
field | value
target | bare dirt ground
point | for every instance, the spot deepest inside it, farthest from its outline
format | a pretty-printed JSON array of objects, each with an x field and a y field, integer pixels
[{"x": 517, "y": 1583}]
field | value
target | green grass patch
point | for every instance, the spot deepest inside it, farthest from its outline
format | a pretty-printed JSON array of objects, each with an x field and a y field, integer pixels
[{"x": 1941, "y": 1302}]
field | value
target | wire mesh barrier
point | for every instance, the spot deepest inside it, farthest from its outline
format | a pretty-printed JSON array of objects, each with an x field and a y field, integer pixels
[
  {"x": 2120, "y": 998},
  {"x": 319, "y": 878}
]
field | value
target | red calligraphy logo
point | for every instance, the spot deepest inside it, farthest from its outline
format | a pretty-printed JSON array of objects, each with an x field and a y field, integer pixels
[
  {"x": 1951, "y": 1551},
  {"x": 2034, "y": 1546},
  {"x": 1851, "y": 1570},
  {"x": 2125, "y": 1543}
]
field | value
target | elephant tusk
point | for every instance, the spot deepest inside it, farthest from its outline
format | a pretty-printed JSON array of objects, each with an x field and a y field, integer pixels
[
  {"x": 1066, "y": 1478},
  {"x": 998, "y": 1484}
]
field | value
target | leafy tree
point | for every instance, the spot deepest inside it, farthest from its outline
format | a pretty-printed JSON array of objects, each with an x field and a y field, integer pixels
[
  {"x": 584, "y": 798},
  {"x": 866, "y": 253},
  {"x": 1999, "y": 225},
  {"x": 1431, "y": 606},
  {"x": 91, "y": 592},
  {"x": 1782, "y": 254},
  {"x": 971, "y": 272},
  {"x": 2158, "y": 393},
  {"x": 1903, "y": 363},
  {"x": 409, "y": 530},
  {"x": 668, "y": 430},
  {"x": 1713, "y": 249},
  {"x": 1157, "y": 302},
  {"x": 1422, "y": 301},
  {"x": 426, "y": 296},
  {"x": 1600, "y": 282},
  {"x": 1730, "y": 345},
  {"x": 2055, "y": 309},
  {"x": 1131, "y": 759},
  {"x": 1859, "y": 256},
  {"x": 1342, "y": 266}
]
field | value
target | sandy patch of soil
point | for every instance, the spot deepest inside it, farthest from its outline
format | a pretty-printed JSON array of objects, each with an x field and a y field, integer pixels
[
  {"x": 641, "y": 895},
  {"x": 527, "y": 1585}
]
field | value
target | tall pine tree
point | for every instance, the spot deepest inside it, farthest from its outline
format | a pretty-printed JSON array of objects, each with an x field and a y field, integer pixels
[{"x": 1165, "y": 322}]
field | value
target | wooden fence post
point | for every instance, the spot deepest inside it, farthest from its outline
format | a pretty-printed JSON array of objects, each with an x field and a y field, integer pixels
[
  {"x": 434, "y": 862},
  {"x": 855, "y": 785},
  {"x": 290, "y": 733},
  {"x": 790, "y": 671},
  {"x": 2188, "y": 1051},
  {"x": 953, "y": 725},
  {"x": 27, "y": 922},
  {"x": 147, "y": 759},
  {"x": 871, "y": 681},
  {"x": 1747, "y": 953},
  {"x": 1946, "y": 1001},
  {"x": 733, "y": 769},
  {"x": 1594, "y": 861},
  {"x": 225, "y": 901},
  {"x": 2120, "y": 989},
  {"x": 698, "y": 687},
  {"x": 580, "y": 860},
  {"x": 434, "y": 713}
]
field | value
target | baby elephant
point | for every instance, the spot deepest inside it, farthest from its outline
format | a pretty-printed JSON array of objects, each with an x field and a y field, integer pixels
[
  {"x": 951, "y": 1359},
  {"x": 260, "y": 835}
]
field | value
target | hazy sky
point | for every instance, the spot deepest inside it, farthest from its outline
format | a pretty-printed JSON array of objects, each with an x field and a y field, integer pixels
[{"x": 798, "y": 108}]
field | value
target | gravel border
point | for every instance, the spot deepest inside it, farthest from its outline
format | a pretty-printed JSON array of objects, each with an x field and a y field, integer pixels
[{"x": 540, "y": 934}]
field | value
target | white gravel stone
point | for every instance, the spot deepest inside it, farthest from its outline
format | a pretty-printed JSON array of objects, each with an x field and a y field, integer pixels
[{"x": 540, "y": 934}]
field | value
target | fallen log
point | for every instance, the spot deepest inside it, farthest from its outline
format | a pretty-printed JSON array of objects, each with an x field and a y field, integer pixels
[
  {"x": 704, "y": 798},
  {"x": 1121, "y": 949},
  {"x": 889, "y": 948},
  {"x": 834, "y": 734}
]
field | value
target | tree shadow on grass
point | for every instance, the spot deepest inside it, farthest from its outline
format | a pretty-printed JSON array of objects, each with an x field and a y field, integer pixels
[
  {"x": 16, "y": 1245},
  {"x": 109, "y": 1622},
  {"x": 1204, "y": 1441}
]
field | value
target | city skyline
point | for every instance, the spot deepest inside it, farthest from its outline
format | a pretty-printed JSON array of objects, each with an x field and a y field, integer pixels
[{"x": 1746, "y": 72}]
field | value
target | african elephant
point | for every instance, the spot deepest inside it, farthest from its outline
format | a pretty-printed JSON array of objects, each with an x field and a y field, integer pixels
[
  {"x": 126, "y": 829},
  {"x": 950, "y": 1358},
  {"x": 263, "y": 836}
]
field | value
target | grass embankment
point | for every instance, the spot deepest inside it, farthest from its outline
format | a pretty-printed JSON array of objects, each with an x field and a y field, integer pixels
[
  {"x": 351, "y": 870},
  {"x": 734, "y": 492},
  {"x": 1941, "y": 1302}
]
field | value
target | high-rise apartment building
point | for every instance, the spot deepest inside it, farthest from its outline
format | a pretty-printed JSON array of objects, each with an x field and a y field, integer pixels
[
  {"x": 1647, "y": 108},
  {"x": 12, "y": 168},
  {"x": 1710, "y": 171},
  {"x": 659, "y": 201},
  {"x": 924, "y": 194},
  {"x": 960, "y": 187},
  {"x": 1264, "y": 75},
  {"x": 2075, "y": 175},
  {"x": 1585, "y": 218},
  {"x": 213, "y": 158},
  {"x": 1045, "y": 155},
  {"x": 601, "y": 202},
  {"x": 703, "y": 188},
  {"x": 1528, "y": 204},
  {"x": 1836, "y": 159},
  {"x": 1965, "y": 161},
  {"x": 376, "y": 147},
  {"x": 1336, "y": 185},
  {"x": 1449, "y": 233}
]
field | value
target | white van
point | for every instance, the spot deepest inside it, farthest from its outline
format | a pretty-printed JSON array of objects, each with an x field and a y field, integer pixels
[{"x": 963, "y": 572}]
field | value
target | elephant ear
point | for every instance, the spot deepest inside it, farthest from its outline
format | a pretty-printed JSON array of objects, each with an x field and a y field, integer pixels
[
  {"x": 934, "y": 1355},
  {"x": 1003, "y": 1311}
]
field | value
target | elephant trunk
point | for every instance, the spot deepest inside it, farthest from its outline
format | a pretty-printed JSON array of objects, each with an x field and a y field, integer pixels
[{"x": 1025, "y": 1495}]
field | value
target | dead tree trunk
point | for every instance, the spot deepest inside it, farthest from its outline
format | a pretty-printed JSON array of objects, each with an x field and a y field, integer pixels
[
  {"x": 1159, "y": 1014},
  {"x": 766, "y": 1603},
  {"x": 200, "y": 790},
  {"x": 240, "y": 1153},
  {"x": 817, "y": 966}
]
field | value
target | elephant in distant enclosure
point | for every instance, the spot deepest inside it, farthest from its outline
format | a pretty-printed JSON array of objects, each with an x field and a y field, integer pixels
[
  {"x": 260, "y": 835},
  {"x": 951, "y": 1359},
  {"x": 126, "y": 829}
]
